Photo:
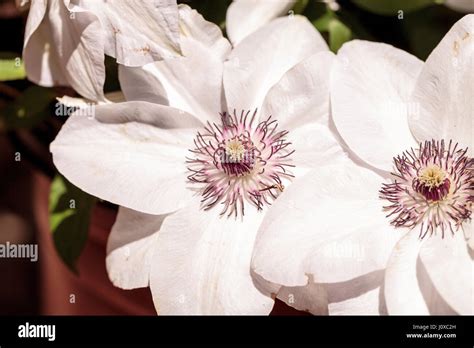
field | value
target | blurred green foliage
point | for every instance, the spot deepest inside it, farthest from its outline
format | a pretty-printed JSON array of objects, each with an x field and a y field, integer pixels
[
  {"x": 70, "y": 210},
  {"x": 300, "y": 6},
  {"x": 337, "y": 32},
  {"x": 392, "y": 7},
  {"x": 31, "y": 107},
  {"x": 11, "y": 69}
]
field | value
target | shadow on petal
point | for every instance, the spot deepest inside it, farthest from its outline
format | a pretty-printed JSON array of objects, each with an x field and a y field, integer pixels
[
  {"x": 434, "y": 301},
  {"x": 338, "y": 292}
]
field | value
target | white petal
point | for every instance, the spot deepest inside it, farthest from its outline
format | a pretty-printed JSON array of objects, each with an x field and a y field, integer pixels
[
  {"x": 466, "y": 6},
  {"x": 315, "y": 145},
  {"x": 367, "y": 303},
  {"x": 402, "y": 291},
  {"x": 444, "y": 89},
  {"x": 202, "y": 264},
  {"x": 36, "y": 14},
  {"x": 359, "y": 296},
  {"x": 312, "y": 297},
  {"x": 370, "y": 86},
  {"x": 73, "y": 102},
  {"x": 70, "y": 40},
  {"x": 246, "y": 16},
  {"x": 42, "y": 63},
  {"x": 328, "y": 224},
  {"x": 160, "y": 116},
  {"x": 451, "y": 269},
  {"x": 195, "y": 28},
  {"x": 155, "y": 38},
  {"x": 130, "y": 248},
  {"x": 302, "y": 94},
  {"x": 77, "y": 43},
  {"x": 260, "y": 60},
  {"x": 126, "y": 156},
  {"x": 468, "y": 228},
  {"x": 192, "y": 83},
  {"x": 138, "y": 83}
]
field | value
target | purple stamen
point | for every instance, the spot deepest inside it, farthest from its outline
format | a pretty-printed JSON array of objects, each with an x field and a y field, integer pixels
[
  {"x": 238, "y": 162},
  {"x": 433, "y": 188}
]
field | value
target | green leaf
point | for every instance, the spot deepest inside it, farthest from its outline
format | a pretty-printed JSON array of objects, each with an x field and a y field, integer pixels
[
  {"x": 30, "y": 108},
  {"x": 322, "y": 23},
  {"x": 338, "y": 34},
  {"x": 12, "y": 69},
  {"x": 69, "y": 217},
  {"x": 338, "y": 31},
  {"x": 391, "y": 7}
]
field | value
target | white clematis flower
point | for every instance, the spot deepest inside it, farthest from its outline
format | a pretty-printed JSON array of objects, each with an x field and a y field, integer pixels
[
  {"x": 65, "y": 40},
  {"x": 377, "y": 242},
  {"x": 194, "y": 166}
]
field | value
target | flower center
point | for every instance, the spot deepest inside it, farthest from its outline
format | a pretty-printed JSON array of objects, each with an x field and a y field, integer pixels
[
  {"x": 240, "y": 161},
  {"x": 433, "y": 188},
  {"x": 235, "y": 149},
  {"x": 238, "y": 155},
  {"x": 432, "y": 183}
]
